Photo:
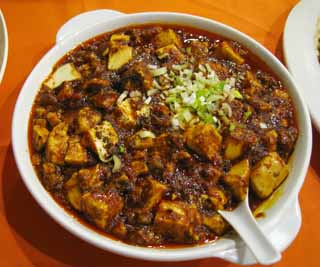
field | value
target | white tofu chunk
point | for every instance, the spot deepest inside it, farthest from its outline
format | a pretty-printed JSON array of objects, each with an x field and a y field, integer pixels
[
  {"x": 119, "y": 56},
  {"x": 102, "y": 138},
  {"x": 122, "y": 38},
  {"x": 127, "y": 114},
  {"x": 73, "y": 192},
  {"x": 57, "y": 144},
  {"x": 66, "y": 72},
  {"x": 238, "y": 179},
  {"x": 268, "y": 174},
  {"x": 76, "y": 154},
  {"x": 87, "y": 119},
  {"x": 167, "y": 37},
  {"x": 100, "y": 207}
]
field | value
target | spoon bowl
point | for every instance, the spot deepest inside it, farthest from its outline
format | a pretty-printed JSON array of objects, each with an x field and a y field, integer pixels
[{"x": 244, "y": 223}]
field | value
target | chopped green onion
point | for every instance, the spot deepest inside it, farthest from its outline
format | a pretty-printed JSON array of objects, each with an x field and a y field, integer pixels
[
  {"x": 151, "y": 66},
  {"x": 202, "y": 68},
  {"x": 247, "y": 114},
  {"x": 226, "y": 109},
  {"x": 171, "y": 99},
  {"x": 122, "y": 97},
  {"x": 148, "y": 100},
  {"x": 209, "y": 69},
  {"x": 109, "y": 159},
  {"x": 232, "y": 127},
  {"x": 152, "y": 92},
  {"x": 159, "y": 71},
  {"x": 187, "y": 115},
  {"x": 263, "y": 125},
  {"x": 105, "y": 52},
  {"x": 146, "y": 134},
  {"x": 237, "y": 94},
  {"x": 122, "y": 149},
  {"x": 163, "y": 55},
  {"x": 219, "y": 86},
  {"x": 179, "y": 67},
  {"x": 205, "y": 116},
  {"x": 198, "y": 94}
]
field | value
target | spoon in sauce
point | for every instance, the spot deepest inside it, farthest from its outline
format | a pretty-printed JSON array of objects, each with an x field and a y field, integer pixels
[{"x": 242, "y": 220}]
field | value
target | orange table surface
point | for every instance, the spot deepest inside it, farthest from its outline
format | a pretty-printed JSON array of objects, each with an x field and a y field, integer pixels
[{"x": 28, "y": 237}]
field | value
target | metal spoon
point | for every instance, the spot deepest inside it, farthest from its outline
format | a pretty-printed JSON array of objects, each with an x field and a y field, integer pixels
[{"x": 242, "y": 220}]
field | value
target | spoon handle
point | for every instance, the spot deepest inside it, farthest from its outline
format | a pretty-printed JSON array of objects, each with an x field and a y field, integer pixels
[{"x": 246, "y": 226}]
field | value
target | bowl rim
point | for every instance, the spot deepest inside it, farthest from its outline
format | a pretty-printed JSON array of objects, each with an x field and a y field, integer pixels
[
  {"x": 5, "y": 45},
  {"x": 68, "y": 222}
]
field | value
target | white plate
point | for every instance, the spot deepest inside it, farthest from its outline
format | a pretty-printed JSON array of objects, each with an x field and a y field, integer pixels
[
  {"x": 3, "y": 45},
  {"x": 301, "y": 53}
]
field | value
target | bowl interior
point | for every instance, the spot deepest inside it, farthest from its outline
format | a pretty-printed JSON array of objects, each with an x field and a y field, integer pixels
[{"x": 290, "y": 189}]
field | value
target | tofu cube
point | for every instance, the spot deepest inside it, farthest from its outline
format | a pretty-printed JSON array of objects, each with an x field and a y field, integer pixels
[
  {"x": 105, "y": 100},
  {"x": 90, "y": 178},
  {"x": 40, "y": 122},
  {"x": 238, "y": 179},
  {"x": 127, "y": 114},
  {"x": 217, "y": 198},
  {"x": 167, "y": 37},
  {"x": 40, "y": 112},
  {"x": 53, "y": 118},
  {"x": 137, "y": 142},
  {"x": 101, "y": 207},
  {"x": 198, "y": 49},
  {"x": 57, "y": 144},
  {"x": 51, "y": 176},
  {"x": 268, "y": 174},
  {"x": 120, "y": 230},
  {"x": 234, "y": 148},
  {"x": 65, "y": 73},
  {"x": 73, "y": 192},
  {"x": 204, "y": 139},
  {"x": 144, "y": 112},
  {"x": 87, "y": 119},
  {"x": 251, "y": 81},
  {"x": 96, "y": 83},
  {"x": 216, "y": 224},
  {"x": 76, "y": 154},
  {"x": 119, "y": 56},
  {"x": 271, "y": 140},
  {"x": 40, "y": 136},
  {"x": 175, "y": 220},
  {"x": 119, "y": 38},
  {"x": 154, "y": 194},
  {"x": 139, "y": 167},
  {"x": 227, "y": 52},
  {"x": 102, "y": 138},
  {"x": 211, "y": 174},
  {"x": 170, "y": 51}
]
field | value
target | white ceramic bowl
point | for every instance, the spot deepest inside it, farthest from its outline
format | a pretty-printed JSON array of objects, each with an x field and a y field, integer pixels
[
  {"x": 230, "y": 248},
  {"x": 300, "y": 51},
  {"x": 3, "y": 45}
]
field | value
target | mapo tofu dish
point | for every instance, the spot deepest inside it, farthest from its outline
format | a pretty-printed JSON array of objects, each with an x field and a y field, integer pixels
[{"x": 146, "y": 132}]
